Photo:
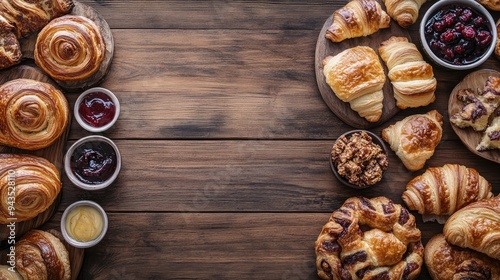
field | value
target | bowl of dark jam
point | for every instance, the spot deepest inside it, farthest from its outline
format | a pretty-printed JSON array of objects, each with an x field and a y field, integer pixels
[
  {"x": 93, "y": 162},
  {"x": 97, "y": 109},
  {"x": 458, "y": 34}
]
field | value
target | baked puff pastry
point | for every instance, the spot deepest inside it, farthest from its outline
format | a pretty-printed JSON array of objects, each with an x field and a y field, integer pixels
[
  {"x": 415, "y": 138},
  {"x": 356, "y": 19},
  {"x": 6, "y": 273},
  {"x": 356, "y": 76},
  {"x": 412, "y": 78},
  {"x": 33, "y": 114},
  {"x": 369, "y": 239},
  {"x": 448, "y": 262},
  {"x": 10, "y": 48},
  {"x": 37, "y": 185},
  {"x": 42, "y": 256},
  {"x": 491, "y": 137},
  {"x": 404, "y": 12},
  {"x": 476, "y": 226},
  {"x": 70, "y": 48}
]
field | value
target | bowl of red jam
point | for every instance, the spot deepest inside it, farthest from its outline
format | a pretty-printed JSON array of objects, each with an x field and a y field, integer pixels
[
  {"x": 97, "y": 109},
  {"x": 458, "y": 34},
  {"x": 93, "y": 162}
]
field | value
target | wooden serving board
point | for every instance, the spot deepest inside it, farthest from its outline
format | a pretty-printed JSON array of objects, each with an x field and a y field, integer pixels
[
  {"x": 325, "y": 47},
  {"x": 469, "y": 136},
  {"x": 28, "y": 48},
  {"x": 54, "y": 153}
]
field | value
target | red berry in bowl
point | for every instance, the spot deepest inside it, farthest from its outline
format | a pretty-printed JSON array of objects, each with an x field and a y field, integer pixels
[
  {"x": 469, "y": 32},
  {"x": 484, "y": 38}
]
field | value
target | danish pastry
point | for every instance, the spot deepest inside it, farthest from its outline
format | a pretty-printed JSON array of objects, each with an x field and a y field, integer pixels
[{"x": 369, "y": 239}]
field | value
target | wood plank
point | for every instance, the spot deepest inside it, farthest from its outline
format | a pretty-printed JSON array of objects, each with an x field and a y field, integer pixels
[{"x": 248, "y": 176}]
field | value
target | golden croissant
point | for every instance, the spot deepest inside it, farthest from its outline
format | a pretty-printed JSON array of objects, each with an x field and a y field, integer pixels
[
  {"x": 412, "y": 78},
  {"x": 404, "y": 12},
  {"x": 444, "y": 190},
  {"x": 356, "y": 19},
  {"x": 30, "y": 183},
  {"x": 33, "y": 114},
  {"x": 476, "y": 226}
]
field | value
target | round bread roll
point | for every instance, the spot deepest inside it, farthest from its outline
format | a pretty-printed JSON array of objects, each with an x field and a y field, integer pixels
[{"x": 369, "y": 239}]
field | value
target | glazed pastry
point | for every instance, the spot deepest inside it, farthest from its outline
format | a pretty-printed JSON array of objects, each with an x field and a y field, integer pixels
[
  {"x": 369, "y": 239},
  {"x": 70, "y": 48},
  {"x": 491, "y": 4},
  {"x": 10, "y": 49},
  {"x": 412, "y": 78},
  {"x": 404, "y": 12},
  {"x": 445, "y": 262},
  {"x": 476, "y": 226},
  {"x": 40, "y": 255},
  {"x": 30, "y": 16},
  {"x": 37, "y": 185},
  {"x": 6, "y": 273},
  {"x": 356, "y": 76},
  {"x": 414, "y": 138},
  {"x": 444, "y": 190},
  {"x": 491, "y": 137},
  {"x": 33, "y": 114},
  {"x": 356, "y": 19},
  {"x": 478, "y": 106}
]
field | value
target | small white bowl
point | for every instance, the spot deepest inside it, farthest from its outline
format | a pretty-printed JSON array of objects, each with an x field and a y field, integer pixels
[
  {"x": 466, "y": 3},
  {"x": 85, "y": 124},
  {"x": 79, "y": 244},
  {"x": 95, "y": 141}
]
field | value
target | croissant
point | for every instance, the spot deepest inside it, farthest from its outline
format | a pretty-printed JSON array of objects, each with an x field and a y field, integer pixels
[
  {"x": 33, "y": 114},
  {"x": 445, "y": 261},
  {"x": 356, "y": 19},
  {"x": 356, "y": 76},
  {"x": 8, "y": 273},
  {"x": 415, "y": 138},
  {"x": 412, "y": 78},
  {"x": 40, "y": 255},
  {"x": 70, "y": 48},
  {"x": 444, "y": 190},
  {"x": 476, "y": 226},
  {"x": 32, "y": 183},
  {"x": 404, "y": 12}
]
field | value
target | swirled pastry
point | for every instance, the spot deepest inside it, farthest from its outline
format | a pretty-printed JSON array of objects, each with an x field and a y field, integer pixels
[
  {"x": 6, "y": 273},
  {"x": 33, "y": 114},
  {"x": 415, "y": 138},
  {"x": 70, "y": 48},
  {"x": 369, "y": 239},
  {"x": 42, "y": 256},
  {"x": 446, "y": 262},
  {"x": 37, "y": 184},
  {"x": 476, "y": 226},
  {"x": 10, "y": 49}
]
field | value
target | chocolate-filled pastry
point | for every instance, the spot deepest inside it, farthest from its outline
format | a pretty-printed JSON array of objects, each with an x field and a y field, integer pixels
[
  {"x": 369, "y": 239},
  {"x": 34, "y": 181},
  {"x": 491, "y": 136},
  {"x": 70, "y": 48},
  {"x": 42, "y": 256},
  {"x": 33, "y": 114},
  {"x": 10, "y": 49},
  {"x": 448, "y": 262}
]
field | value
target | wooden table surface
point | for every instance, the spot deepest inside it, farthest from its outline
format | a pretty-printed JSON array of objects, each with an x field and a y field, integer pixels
[{"x": 225, "y": 142}]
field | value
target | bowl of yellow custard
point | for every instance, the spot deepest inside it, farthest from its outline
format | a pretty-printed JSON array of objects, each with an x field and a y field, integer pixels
[{"x": 84, "y": 224}]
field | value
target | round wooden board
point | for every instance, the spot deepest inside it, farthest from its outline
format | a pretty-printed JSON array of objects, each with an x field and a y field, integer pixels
[
  {"x": 469, "y": 136},
  {"x": 325, "y": 47},
  {"x": 75, "y": 255},
  {"x": 53, "y": 153},
  {"x": 28, "y": 48}
]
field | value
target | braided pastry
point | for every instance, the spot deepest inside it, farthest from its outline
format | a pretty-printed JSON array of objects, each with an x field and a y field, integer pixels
[
  {"x": 70, "y": 48},
  {"x": 40, "y": 255},
  {"x": 37, "y": 184},
  {"x": 369, "y": 239},
  {"x": 33, "y": 114}
]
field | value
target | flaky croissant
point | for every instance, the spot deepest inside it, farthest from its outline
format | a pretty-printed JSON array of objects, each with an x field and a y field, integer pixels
[
  {"x": 33, "y": 114},
  {"x": 415, "y": 138},
  {"x": 356, "y": 19},
  {"x": 30, "y": 183},
  {"x": 476, "y": 226},
  {"x": 404, "y": 12},
  {"x": 444, "y": 190},
  {"x": 412, "y": 78},
  {"x": 42, "y": 256}
]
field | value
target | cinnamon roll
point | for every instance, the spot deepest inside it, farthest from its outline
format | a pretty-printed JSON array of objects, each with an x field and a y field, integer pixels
[
  {"x": 70, "y": 48},
  {"x": 28, "y": 182},
  {"x": 33, "y": 114}
]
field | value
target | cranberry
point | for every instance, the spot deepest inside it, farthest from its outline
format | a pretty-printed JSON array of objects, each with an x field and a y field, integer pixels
[
  {"x": 459, "y": 49},
  {"x": 469, "y": 32},
  {"x": 438, "y": 26},
  {"x": 449, "y": 19},
  {"x": 484, "y": 38},
  {"x": 448, "y": 36},
  {"x": 466, "y": 16},
  {"x": 459, "y": 27},
  {"x": 478, "y": 21}
]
